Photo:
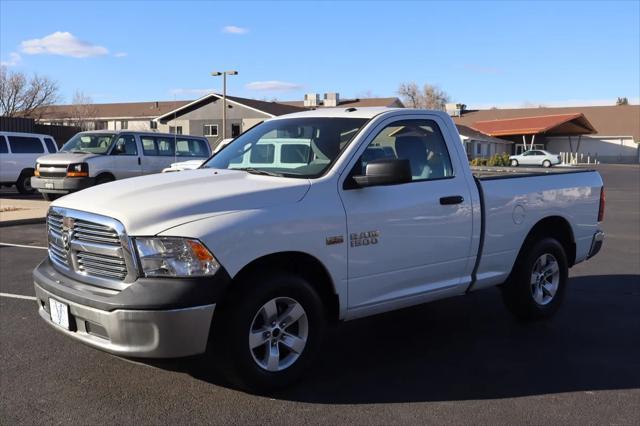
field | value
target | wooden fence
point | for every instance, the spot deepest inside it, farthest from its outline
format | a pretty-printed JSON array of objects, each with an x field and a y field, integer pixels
[{"x": 61, "y": 134}]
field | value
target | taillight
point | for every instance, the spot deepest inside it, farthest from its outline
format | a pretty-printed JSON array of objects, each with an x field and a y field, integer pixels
[{"x": 603, "y": 201}]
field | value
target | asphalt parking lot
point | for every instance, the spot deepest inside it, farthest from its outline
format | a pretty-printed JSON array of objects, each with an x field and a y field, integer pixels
[{"x": 456, "y": 361}]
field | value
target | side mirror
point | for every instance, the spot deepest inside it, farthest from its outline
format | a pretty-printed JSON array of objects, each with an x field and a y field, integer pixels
[{"x": 385, "y": 172}]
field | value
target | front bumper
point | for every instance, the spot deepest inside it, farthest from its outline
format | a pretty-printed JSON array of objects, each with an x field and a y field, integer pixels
[
  {"x": 151, "y": 318},
  {"x": 61, "y": 185}
]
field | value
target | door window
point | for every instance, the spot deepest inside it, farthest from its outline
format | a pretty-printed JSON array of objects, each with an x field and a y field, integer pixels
[
  {"x": 165, "y": 147},
  {"x": 419, "y": 141},
  {"x": 191, "y": 148},
  {"x": 149, "y": 146},
  {"x": 51, "y": 145},
  {"x": 125, "y": 145},
  {"x": 3, "y": 145},
  {"x": 25, "y": 145}
]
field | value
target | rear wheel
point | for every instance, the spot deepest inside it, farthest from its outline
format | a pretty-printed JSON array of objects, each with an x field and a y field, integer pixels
[
  {"x": 23, "y": 184},
  {"x": 537, "y": 284},
  {"x": 546, "y": 163},
  {"x": 269, "y": 331},
  {"x": 514, "y": 163}
]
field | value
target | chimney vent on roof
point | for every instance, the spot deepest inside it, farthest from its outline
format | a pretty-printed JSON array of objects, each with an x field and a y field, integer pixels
[
  {"x": 156, "y": 105},
  {"x": 331, "y": 99},
  {"x": 311, "y": 100},
  {"x": 455, "y": 110}
]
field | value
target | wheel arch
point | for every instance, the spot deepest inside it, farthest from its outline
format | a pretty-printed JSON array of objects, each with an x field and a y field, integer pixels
[
  {"x": 105, "y": 174},
  {"x": 555, "y": 227},
  {"x": 302, "y": 264}
]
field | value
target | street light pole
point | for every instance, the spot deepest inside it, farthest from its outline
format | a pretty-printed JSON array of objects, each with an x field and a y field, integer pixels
[{"x": 224, "y": 75}]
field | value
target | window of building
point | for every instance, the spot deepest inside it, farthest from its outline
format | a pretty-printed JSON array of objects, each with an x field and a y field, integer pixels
[
  {"x": 176, "y": 130},
  {"x": 100, "y": 125},
  {"x": 210, "y": 130},
  {"x": 124, "y": 124},
  {"x": 478, "y": 148},
  {"x": 3, "y": 145},
  {"x": 419, "y": 141},
  {"x": 51, "y": 145},
  {"x": 25, "y": 145},
  {"x": 153, "y": 125},
  {"x": 235, "y": 130}
]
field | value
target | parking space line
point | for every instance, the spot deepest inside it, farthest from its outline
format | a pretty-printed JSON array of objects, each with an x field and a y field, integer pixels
[
  {"x": 18, "y": 296},
  {"x": 23, "y": 246}
]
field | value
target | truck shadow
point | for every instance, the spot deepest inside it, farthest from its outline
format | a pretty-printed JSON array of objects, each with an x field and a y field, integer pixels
[{"x": 471, "y": 348}]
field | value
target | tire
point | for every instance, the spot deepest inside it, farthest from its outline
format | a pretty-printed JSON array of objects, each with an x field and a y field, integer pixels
[
  {"x": 47, "y": 196},
  {"x": 535, "y": 290},
  {"x": 546, "y": 163},
  {"x": 248, "y": 313},
  {"x": 514, "y": 163},
  {"x": 104, "y": 179},
  {"x": 23, "y": 184}
]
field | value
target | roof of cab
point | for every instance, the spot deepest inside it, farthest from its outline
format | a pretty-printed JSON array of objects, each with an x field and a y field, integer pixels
[{"x": 367, "y": 112}]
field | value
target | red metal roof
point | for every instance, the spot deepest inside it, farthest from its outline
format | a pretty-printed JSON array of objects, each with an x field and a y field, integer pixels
[{"x": 571, "y": 124}]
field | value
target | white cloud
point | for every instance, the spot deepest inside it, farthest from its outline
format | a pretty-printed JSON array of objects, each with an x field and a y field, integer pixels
[
  {"x": 120, "y": 54},
  {"x": 232, "y": 29},
  {"x": 190, "y": 92},
  {"x": 273, "y": 85},
  {"x": 63, "y": 44},
  {"x": 14, "y": 59}
]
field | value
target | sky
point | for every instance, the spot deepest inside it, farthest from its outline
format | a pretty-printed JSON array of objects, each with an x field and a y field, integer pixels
[{"x": 483, "y": 54}]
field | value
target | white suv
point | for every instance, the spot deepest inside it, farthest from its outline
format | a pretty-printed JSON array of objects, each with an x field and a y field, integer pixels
[{"x": 18, "y": 154}]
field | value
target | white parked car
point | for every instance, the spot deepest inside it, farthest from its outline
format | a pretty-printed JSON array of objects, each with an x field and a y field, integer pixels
[
  {"x": 94, "y": 158},
  {"x": 306, "y": 219},
  {"x": 535, "y": 157},
  {"x": 18, "y": 154}
]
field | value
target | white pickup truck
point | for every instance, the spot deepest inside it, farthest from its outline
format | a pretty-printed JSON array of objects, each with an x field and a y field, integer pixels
[{"x": 248, "y": 258}]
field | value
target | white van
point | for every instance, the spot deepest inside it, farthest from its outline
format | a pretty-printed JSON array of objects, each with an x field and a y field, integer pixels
[
  {"x": 93, "y": 158},
  {"x": 280, "y": 153},
  {"x": 18, "y": 154}
]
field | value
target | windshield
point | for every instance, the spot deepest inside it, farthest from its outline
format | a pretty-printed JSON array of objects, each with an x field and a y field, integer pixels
[
  {"x": 95, "y": 143},
  {"x": 295, "y": 147}
]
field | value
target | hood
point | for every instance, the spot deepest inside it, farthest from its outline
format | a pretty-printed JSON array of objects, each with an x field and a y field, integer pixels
[
  {"x": 150, "y": 204},
  {"x": 65, "y": 158}
]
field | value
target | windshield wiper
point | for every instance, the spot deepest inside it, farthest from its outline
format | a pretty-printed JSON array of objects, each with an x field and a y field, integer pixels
[{"x": 258, "y": 171}]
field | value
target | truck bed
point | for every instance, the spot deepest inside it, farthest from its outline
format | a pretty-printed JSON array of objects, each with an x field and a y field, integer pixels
[{"x": 490, "y": 173}]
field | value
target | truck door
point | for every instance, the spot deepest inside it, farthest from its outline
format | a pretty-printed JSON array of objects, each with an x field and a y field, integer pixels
[{"x": 410, "y": 240}]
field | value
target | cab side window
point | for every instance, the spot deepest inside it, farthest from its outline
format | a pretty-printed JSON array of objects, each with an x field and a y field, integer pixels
[
  {"x": 3, "y": 145},
  {"x": 125, "y": 145},
  {"x": 419, "y": 141},
  {"x": 51, "y": 145},
  {"x": 148, "y": 146},
  {"x": 25, "y": 145}
]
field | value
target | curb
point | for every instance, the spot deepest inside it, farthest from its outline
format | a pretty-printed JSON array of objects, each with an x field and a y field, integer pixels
[{"x": 16, "y": 222}]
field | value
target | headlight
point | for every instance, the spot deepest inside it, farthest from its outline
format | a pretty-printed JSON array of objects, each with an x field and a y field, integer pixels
[
  {"x": 175, "y": 257},
  {"x": 78, "y": 170}
]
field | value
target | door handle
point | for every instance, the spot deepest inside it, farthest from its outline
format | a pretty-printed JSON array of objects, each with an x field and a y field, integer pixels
[
  {"x": 453, "y": 199},
  {"x": 139, "y": 162}
]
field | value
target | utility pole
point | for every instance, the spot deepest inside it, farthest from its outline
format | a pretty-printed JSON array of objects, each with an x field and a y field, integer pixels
[{"x": 224, "y": 75}]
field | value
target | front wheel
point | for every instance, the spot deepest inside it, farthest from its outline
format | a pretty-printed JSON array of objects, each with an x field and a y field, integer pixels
[
  {"x": 23, "y": 184},
  {"x": 514, "y": 163},
  {"x": 537, "y": 284},
  {"x": 269, "y": 331},
  {"x": 546, "y": 163}
]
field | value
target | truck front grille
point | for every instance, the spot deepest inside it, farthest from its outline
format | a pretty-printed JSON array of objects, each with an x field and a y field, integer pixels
[
  {"x": 52, "y": 170},
  {"x": 93, "y": 249}
]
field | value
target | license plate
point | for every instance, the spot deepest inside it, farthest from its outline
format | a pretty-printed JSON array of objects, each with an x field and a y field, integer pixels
[
  {"x": 48, "y": 185},
  {"x": 59, "y": 313}
]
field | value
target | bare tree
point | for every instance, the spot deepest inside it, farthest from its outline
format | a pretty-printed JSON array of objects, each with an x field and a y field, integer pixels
[
  {"x": 82, "y": 110},
  {"x": 23, "y": 97},
  {"x": 430, "y": 97},
  {"x": 622, "y": 101},
  {"x": 434, "y": 97},
  {"x": 410, "y": 94}
]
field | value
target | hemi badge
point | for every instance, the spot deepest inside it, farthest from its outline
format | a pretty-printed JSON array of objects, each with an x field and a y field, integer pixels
[{"x": 338, "y": 239}]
